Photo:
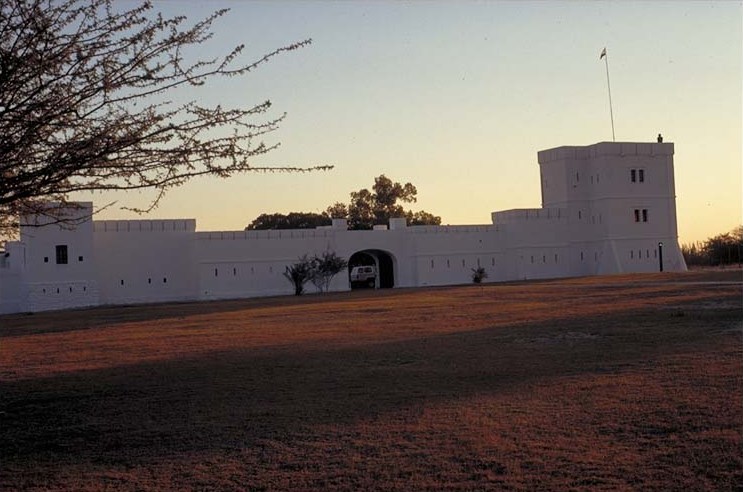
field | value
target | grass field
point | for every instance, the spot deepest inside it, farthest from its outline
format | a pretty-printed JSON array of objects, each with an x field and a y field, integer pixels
[{"x": 607, "y": 383}]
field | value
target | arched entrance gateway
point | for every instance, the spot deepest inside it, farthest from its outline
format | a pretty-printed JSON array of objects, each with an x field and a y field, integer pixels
[{"x": 384, "y": 264}]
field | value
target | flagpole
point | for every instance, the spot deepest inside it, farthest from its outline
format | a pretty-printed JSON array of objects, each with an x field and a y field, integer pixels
[{"x": 608, "y": 86}]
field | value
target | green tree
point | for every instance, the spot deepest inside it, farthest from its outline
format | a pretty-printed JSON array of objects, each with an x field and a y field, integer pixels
[
  {"x": 86, "y": 105},
  {"x": 694, "y": 254},
  {"x": 299, "y": 274},
  {"x": 324, "y": 268},
  {"x": 383, "y": 202},
  {"x": 422, "y": 218},
  {"x": 725, "y": 248},
  {"x": 293, "y": 220},
  {"x": 366, "y": 209},
  {"x": 479, "y": 274},
  {"x": 337, "y": 211}
]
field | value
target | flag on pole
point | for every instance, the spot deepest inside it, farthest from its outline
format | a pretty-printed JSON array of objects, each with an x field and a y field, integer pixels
[{"x": 603, "y": 53}]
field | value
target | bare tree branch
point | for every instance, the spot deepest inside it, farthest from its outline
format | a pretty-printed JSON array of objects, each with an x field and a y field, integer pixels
[{"x": 82, "y": 108}]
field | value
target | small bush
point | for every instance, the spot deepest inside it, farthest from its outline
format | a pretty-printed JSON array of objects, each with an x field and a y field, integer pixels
[{"x": 478, "y": 274}]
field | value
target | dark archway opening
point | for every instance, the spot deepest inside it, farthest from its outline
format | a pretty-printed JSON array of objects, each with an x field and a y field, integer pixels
[{"x": 381, "y": 260}]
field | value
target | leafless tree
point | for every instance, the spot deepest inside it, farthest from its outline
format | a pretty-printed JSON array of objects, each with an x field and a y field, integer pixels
[{"x": 84, "y": 105}]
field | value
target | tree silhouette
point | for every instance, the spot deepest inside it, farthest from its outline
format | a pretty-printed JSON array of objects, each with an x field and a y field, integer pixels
[
  {"x": 378, "y": 206},
  {"x": 366, "y": 209},
  {"x": 84, "y": 105}
]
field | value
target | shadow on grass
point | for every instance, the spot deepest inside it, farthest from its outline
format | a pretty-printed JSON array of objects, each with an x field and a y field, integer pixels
[{"x": 231, "y": 400}]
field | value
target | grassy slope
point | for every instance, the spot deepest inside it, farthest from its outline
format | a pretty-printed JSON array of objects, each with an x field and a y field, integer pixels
[{"x": 631, "y": 382}]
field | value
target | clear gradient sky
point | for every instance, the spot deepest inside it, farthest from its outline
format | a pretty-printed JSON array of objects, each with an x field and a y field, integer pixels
[{"x": 458, "y": 98}]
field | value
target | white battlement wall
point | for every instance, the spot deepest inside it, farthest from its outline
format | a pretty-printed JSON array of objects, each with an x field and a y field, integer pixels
[{"x": 606, "y": 208}]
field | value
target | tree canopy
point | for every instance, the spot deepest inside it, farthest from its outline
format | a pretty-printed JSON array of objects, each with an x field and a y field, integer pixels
[
  {"x": 365, "y": 210},
  {"x": 722, "y": 249},
  {"x": 293, "y": 220},
  {"x": 84, "y": 104}
]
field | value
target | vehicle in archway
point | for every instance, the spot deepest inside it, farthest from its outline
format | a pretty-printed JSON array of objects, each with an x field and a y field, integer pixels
[{"x": 364, "y": 275}]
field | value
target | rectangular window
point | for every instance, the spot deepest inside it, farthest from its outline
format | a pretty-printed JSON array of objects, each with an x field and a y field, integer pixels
[
  {"x": 644, "y": 215},
  {"x": 633, "y": 175},
  {"x": 632, "y": 253},
  {"x": 637, "y": 215},
  {"x": 61, "y": 254},
  {"x": 641, "y": 175}
]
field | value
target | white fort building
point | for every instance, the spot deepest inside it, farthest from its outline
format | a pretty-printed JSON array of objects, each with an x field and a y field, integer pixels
[{"x": 606, "y": 208}]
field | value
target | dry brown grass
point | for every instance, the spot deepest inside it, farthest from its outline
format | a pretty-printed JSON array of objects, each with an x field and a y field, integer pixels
[{"x": 614, "y": 383}]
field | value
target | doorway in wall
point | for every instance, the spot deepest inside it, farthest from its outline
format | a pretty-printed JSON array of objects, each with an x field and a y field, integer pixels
[{"x": 384, "y": 263}]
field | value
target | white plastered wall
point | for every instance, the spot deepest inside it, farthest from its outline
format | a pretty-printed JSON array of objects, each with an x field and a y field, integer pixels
[{"x": 586, "y": 226}]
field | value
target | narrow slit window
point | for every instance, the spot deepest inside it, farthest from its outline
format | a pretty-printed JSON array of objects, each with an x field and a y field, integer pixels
[
  {"x": 633, "y": 175},
  {"x": 637, "y": 215},
  {"x": 641, "y": 175},
  {"x": 644, "y": 215}
]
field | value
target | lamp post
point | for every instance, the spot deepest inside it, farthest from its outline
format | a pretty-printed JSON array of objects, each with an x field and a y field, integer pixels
[{"x": 660, "y": 255}]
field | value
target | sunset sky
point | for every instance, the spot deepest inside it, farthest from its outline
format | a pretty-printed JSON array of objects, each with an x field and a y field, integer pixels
[{"x": 458, "y": 98}]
